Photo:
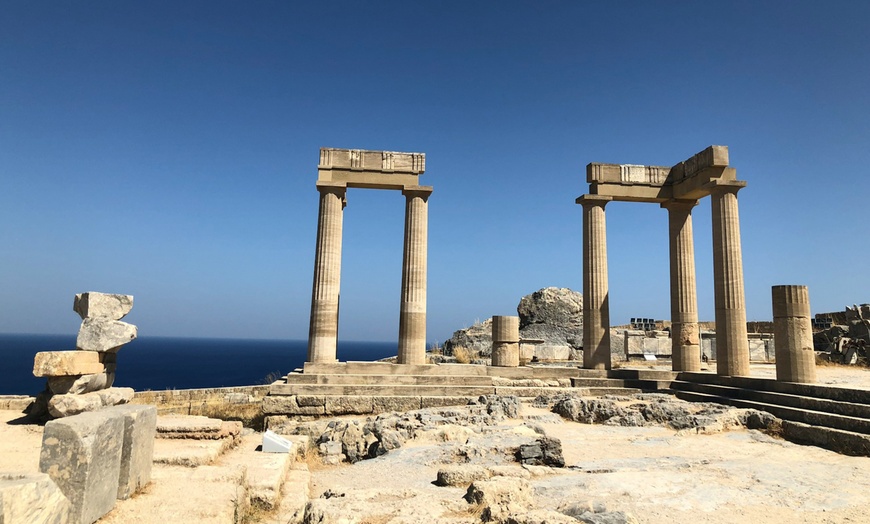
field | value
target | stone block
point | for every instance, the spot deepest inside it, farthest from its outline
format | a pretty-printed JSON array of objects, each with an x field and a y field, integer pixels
[
  {"x": 68, "y": 405},
  {"x": 349, "y": 405},
  {"x": 82, "y": 454},
  {"x": 102, "y": 305},
  {"x": 633, "y": 343},
  {"x": 288, "y": 405},
  {"x": 79, "y": 384},
  {"x": 66, "y": 363},
  {"x": 104, "y": 335},
  {"x": 183, "y": 424},
  {"x": 400, "y": 404},
  {"x": 137, "y": 451},
  {"x": 31, "y": 497},
  {"x": 547, "y": 352}
]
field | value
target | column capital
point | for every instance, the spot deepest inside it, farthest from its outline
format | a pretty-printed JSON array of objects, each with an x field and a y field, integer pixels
[
  {"x": 338, "y": 189},
  {"x": 725, "y": 186},
  {"x": 417, "y": 191},
  {"x": 679, "y": 205},
  {"x": 593, "y": 200}
]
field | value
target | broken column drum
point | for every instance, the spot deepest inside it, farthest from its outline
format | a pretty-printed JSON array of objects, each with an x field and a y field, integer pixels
[
  {"x": 793, "y": 334},
  {"x": 338, "y": 170},
  {"x": 506, "y": 341},
  {"x": 676, "y": 189}
]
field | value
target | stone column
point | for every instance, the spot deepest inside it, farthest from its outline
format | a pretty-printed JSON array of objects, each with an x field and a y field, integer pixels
[
  {"x": 505, "y": 341},
  {"x": 323, "y": 328},
  {"x": 596, "y": 302},
  {"x": 793, "y": 334},
  {"x": 732, "y": 344},
  {"x": 685, "y": 339},
  {"x": 412, "y": 316}
]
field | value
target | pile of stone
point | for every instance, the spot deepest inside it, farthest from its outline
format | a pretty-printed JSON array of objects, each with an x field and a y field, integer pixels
[
  {"x": 193, "y": 440},
  {"x": 81, "y": 380}
]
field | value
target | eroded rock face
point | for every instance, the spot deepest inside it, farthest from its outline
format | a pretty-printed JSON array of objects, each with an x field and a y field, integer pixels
[
  {"x": 477, "y": 338},
  {"x": 500, "y": 497},
  {"x": 32, "y": 497},
  {"x": 554, "y": 315}
]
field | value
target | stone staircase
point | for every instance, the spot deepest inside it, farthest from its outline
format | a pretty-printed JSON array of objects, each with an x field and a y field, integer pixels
[
  {"x": 624, "y": 381},
  {"x": 830, "y": 417}
]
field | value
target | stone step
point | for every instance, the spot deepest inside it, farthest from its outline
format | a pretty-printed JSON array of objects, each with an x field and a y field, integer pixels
[
  {"x": 265, "y": 473},
  {"x": 816, "y": 418},
  {"x": 386, "y": 368},
  {"x": 647, "y": 385},
  {"x": 399, "y": 380},
  {"x": 532, "y": 372},
  {"x": 838, "y": 440},
  {"x": 627, "y": 374},
  {"x": 849, "y": 409},
  {"x": 380, "y": 390},
  {"x": 861, "y": 396}
]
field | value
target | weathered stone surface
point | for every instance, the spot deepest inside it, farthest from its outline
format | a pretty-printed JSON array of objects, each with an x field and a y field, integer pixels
[
  {"x": 461, "y": 475},
  {"x": 610, "y": 517},
  {"x": 137, "y": 451},
  {"x": 554, "y": 315},
  {"x": 31, "y": 498},
  {"x": 102, "y": 305},
  {"x": 82, "y": 454},
  {"x": 187, "y": 424},
  {"x": 103, "y": 335},
  {"x": 66, "y": 363},
  {"x": 477, "y": 338},
  {"x": 68, "y": 405},
  {"x": 540, "y": 516},
  {"x": 349, "y": 405},
  {"x": 290, "y": 405},
  {"x": 78, "y": 384},
  {"x": 500, "y": 497},
  {"x": 546, "y": 451}
]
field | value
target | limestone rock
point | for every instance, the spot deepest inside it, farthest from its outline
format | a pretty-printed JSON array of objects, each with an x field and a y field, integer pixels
[
  {"x": 137, "y": 450},
  {"x": 545, "y": 451},
  {"x": 104, "y": 335},
  {"x": 82, "y": 454},
  {"x": 102, "y": 305},
  {"x": 610, "y": 517},
  {"x": 66, "y": 363},
  {"x": 79, "y": 384},
  {"x": 60, "y": 406},
  {"x": 540, "y": 516},
  {"x": 461, "y": 475},
  {"x": 554, "y": 315},
  {"x": 31, "y": 497},
  {"x": 500, "y": 497},
  {"x": 477, "y": 338},
  {"x": 588, "y": 411}
]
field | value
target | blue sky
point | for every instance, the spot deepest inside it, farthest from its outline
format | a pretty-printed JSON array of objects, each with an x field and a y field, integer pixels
[{"x": 169, "y": 149}]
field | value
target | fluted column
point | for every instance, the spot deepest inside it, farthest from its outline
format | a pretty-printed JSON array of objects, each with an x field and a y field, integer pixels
[
  {"x": 596, "y": 302},
  {"x": 323, "y": 328},
  {"x": 412, "y": 316},
  {"x": 505, "y": 341},
  {"x": 793, "y": 334},
  {"x": 732, "y": 344},
  {"x": 685, "y": 340}
]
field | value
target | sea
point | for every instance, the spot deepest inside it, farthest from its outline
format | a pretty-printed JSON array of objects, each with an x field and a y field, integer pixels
[{"x": 158, "y": 363}]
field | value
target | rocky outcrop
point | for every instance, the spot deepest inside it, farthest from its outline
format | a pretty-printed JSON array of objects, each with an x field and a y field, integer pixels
[{"x": 552, "y": 315}]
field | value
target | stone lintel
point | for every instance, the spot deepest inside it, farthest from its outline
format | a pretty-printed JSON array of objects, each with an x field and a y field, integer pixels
[
  {"x": 593, "y": 199},
  {"x": 713, "y": 156},
  {"x": 632, "y": 193},
  {"x": 423, "y": 191},
  {"x": 725, "y": 185},
  {"x": 371, "y": 169},
  {"x": 679, "y": 203},
  {"x": 698, "y": 185}
]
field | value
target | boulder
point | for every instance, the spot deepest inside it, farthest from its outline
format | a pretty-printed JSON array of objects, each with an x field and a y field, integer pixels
[
  {"x": 82, "y": 455},
  {"x": 60, "y": 406},
  {"x": 461, "y": 475},
  {"x": 545, "y": 451},
  {"x": 31, "y": 497},
  {"x": 102, "y": 305},
  {"x": 477, "y": 338},
  {"x": 554, "y": 315},
  {"x": 104, "y": 335}
]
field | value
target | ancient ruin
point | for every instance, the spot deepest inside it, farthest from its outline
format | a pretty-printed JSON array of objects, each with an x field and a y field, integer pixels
[
  {"x": 339, "y": 170},
  {"x": 678, "y": 190}
]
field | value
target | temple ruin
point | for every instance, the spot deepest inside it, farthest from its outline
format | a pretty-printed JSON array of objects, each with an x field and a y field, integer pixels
[{"x": 340, "y": 169}]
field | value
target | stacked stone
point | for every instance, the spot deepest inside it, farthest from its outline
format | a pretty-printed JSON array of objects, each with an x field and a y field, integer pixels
[{"x": 81, "y": 380}]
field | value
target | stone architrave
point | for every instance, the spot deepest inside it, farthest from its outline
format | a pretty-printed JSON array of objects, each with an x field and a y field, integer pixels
[
  {"x": 104, "y": 335},
  {"x": 596, "y": 301},
  {"x": 793, "y": 334},
  {"x": 137, "y": 451},
  {"x": 323, "y": 329},
  {"x": 82, "y": 455},
  {"x": 685, "y": 336},
  {"x": 102, "y": 305},
  {"x": 67, "y": 363},
  {"x": 732, "y": 343},
  {"x": 31, "y": 497},
  {"x": 412, "y": 313},
  {"x": 506, "y": 341}
]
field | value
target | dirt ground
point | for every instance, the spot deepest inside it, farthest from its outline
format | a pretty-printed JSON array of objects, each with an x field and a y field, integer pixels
[{"x": 654, "y": 473}]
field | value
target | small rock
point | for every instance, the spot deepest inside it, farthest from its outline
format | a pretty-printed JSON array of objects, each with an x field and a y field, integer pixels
[
  {"x": 461, "y": 475},
  {"x": 612, "y": 517}
]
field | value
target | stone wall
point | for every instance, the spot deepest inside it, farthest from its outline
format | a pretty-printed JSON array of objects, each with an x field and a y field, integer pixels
[{"x": 235, "y": 403}]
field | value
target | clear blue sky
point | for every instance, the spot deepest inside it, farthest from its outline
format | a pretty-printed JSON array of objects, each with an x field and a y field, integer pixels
[{"x": 169, "y": 149}]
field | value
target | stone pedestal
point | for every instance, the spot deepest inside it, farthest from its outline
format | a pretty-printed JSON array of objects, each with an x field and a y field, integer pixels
[
  {"x": 596, "y": 305},
  {"x": 732, "y": 344},
  {"x": 412, "y": 315},
  {"x": 323, "y": 329},
  {"x": 505, "y": 341},
  {"x": 685, "y": 338},
  {"x": 793, "y": 334}
]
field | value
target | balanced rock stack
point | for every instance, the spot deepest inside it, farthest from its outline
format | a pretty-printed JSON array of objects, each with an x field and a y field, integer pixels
[{"x": 81, "y": 380}]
